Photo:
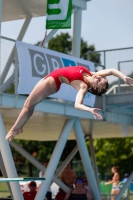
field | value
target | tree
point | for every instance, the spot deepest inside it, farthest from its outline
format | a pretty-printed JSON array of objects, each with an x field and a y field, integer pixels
[
  {"x": 41, "y": 151},
  {"x": 63, "y": 43},
  {"x": 113, "y": 152}
]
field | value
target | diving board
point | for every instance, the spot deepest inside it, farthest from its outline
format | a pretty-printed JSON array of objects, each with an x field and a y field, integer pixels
[{"x": 21, "y": 179}]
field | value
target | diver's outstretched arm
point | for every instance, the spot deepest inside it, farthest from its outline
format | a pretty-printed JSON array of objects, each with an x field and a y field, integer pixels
[
  {"x": 80, "y": 106},
  {"x": 115, "y": 72}
]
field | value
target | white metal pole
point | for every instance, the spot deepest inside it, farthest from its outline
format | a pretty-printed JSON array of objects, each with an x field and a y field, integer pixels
[
  {"x": 2, "y": 167},
  {"x": 36, "y": 163},
  {"x": 119, "y": 82},
  {"x": 86, "y": 160},
  {"x": 125, "y": 186},
  {"x": 92, "y": 150},
  {"x": 7, "y": 83},
  {"x": 9, "y": 163},
  {"x": 55, "y": 158},
  {"x": 1, "y": 3},
  {"x": 51, "y": 34},
  {"x": 76, "y": 41},
  {"x": 11, "y": 57},
  {"x": 66, "y": 161}
]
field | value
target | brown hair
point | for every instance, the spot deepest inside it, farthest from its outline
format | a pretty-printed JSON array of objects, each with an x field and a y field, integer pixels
[
  {"x": 97, "y": 91},
  {"x": 116, "y": 168}
]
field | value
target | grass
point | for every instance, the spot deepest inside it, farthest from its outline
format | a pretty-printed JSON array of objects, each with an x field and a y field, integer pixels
[
  {"x": 106, "y": 198},
  {"x": 4, "y": 191}
]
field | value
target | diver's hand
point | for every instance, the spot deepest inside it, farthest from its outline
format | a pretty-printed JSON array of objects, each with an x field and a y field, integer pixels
[
  {"x": 95, "y": 112},
  {"x": 128, "y": 80}
]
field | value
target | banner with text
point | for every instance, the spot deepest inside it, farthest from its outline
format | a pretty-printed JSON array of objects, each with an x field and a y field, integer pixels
[
  {"x": 58, "y": 14},
  {"x": 36, "y": 62}
]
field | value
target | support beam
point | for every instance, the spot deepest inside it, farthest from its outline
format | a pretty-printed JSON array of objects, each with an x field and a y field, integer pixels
[
  {"x": 86, "y": 160},
  {"x": 7, "y": 83},
  {"x": 76, "y": 42},
  {"x": 16, "y": 72},
  {"x": 1, "y": 4},
  {"x": 49, "y": 173},
  {"x": 119, "y": 98},
  {"x": 92, "y": 150},
  {"x": 66, "y": 161},
  {"x": 121, "y": 110},
  {"x": 8, "y": 162},
  {"x": 80, "y": 4},
  {"x": 51, "y": 34},
  {"x": 125, "y": 186},
  {"x": 38, "y": 165},
  {"x": 2, "y": 167},
  {"x": 11, "y": 57},
  {"x": 45, "y": 106},
  {"x": 113, "y": 116}
]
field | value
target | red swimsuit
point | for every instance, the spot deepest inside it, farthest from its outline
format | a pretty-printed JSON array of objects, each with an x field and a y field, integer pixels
[{"x": 71, "y": 73}]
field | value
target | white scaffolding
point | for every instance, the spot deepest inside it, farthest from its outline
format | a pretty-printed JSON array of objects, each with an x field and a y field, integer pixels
[
  {"x": 6, "y": 157},
  {"x": 63, "y": 111}
]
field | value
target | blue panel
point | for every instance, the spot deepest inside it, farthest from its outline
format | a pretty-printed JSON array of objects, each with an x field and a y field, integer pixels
[
  {"x": 88, "y": 95},
  {"x": 67, "y": 62}
]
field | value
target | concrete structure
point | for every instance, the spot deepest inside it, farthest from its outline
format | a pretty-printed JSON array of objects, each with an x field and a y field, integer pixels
[{"x": 57, "y": 119}]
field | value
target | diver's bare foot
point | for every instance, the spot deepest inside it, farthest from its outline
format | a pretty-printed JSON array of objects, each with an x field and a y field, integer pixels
[{"x": 12, "y": 133}]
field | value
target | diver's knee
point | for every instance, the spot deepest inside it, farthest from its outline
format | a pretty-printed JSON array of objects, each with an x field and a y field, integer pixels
[{"x": 28, "y": 105}]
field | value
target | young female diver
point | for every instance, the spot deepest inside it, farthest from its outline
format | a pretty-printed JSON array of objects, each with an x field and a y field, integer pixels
[{"x": 78, "y": 77}]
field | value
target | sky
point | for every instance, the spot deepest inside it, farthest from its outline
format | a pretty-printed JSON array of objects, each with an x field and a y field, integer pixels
[{"x": 106, "y": 24}]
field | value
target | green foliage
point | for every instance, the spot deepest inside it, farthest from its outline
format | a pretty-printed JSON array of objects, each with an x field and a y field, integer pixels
[
  {"x": 84, "y": 51},
  {"x": 63, "y": 43},
  {"x": 42, "y": 151},
  {"x": 11, "y": 89},
  {"x": 114, "y": 152},
  {"x": 109, "y": 152}
]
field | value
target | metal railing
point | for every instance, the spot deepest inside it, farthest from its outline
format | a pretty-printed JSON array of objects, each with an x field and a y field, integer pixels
[
  {"x": 121, "y": 59},
  {"x": 114, "y": 88}
]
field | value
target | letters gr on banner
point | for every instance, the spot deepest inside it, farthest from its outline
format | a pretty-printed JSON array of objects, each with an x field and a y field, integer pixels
[
  {"x": 58, "y": 14},
  {"x": 36, "y": 62},
  {"x": 43, "y": 64}
]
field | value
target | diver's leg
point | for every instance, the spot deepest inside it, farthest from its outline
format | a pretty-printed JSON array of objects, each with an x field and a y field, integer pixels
[{"x": 42, "y": 89}]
